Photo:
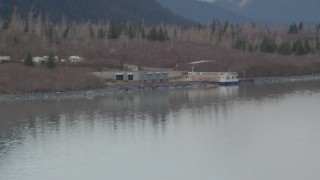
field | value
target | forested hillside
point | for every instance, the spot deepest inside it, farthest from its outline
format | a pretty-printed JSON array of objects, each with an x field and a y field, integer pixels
[{"x": 121, "y": 11}]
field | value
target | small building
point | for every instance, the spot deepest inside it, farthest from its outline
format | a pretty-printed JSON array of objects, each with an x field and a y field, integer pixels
[{"x": 147, "y": 76}]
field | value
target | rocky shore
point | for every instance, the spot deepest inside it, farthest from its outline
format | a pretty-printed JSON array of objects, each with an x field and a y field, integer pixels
[{"x": 89, "y": 94}]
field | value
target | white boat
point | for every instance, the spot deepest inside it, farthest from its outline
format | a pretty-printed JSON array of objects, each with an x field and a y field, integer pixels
[
  {"x": 228, "y": 78},
  {"x": 222, "y": 78}
]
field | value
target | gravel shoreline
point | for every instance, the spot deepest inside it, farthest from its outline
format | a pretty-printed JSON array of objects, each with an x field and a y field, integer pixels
[{"x": 91, "y": 93}]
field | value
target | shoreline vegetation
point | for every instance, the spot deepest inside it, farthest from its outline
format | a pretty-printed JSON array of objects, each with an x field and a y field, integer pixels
[{"x": 252, "y": 50}]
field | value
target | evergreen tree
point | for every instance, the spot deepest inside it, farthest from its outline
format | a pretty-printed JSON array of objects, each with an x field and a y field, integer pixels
[
  {"x": 29, "y": 61},
  {"x": 161, "y": 35},
  {"x": 91, "y": 31},
  {"x": 267, "y": 28},
  {"x": 114, "y": 31},
  {"x": 153, "y": 34},
  {"x": 300, "y": 27},
  {"x": 267, "y": 46},
  {"x": 253, "y": 25},
  {"x": 6, "y": 25},
  {"x": 213, "y": 26},
  {"x": 285, "y": 48},
  {"x": 293, "y": 29},
  {"x": 318, "y": 28},
  {"x": 52, "y": 34},
  {"x": 101, "y": 33},
  {"x": 16, "y": 40},
  {"x": 26, "y": 27},
  {"x": 175, "y": 33},
  {"x": 317, "y": 43},
  {"x": 225, "y": 27},
  {"x": 298, "y": 48},
  {"x": 240, "y": 44},
  {"x": 50, "y": 62},
  {"x": 307, "y": 47},
  {"x": 251, "y": 48},
  {"x": 66, "y": 32},
  {"x": 130, "y": 32},
  {"x": 141, "y": 31},
  {"x": 157, "y": 35}
]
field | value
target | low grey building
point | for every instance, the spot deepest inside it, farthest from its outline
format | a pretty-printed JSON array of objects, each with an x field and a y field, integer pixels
[{"x": 146, "y": 76}]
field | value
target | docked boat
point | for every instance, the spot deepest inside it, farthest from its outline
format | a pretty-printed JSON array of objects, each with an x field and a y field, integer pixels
[
  {"x": 228, "y": 78},
  {"x": 222, "y": 78}
]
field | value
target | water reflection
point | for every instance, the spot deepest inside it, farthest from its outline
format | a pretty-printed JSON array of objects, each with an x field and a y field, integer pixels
[
  {"x": 121, "y": 108},
  {"x": 129, "y": 119},
  {"x": 145, "y": 105}
]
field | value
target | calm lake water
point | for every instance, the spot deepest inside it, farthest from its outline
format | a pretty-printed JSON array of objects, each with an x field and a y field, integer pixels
[{"x": 230, "y": 133}]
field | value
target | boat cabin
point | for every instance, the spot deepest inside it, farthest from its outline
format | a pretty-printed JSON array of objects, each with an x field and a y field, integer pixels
[{"x": 219, "y": 77}]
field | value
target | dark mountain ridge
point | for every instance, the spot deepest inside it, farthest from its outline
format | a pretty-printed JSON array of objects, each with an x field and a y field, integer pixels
[
  {"x": 121, "y": 11},
  {"x": 277, "y": 11},
  {"x": 202, "y": 12},
  {"x": 272, "y": 12}
]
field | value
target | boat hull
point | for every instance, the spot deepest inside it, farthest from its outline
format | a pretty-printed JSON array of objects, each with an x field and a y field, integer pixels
[{"x": 233, "y": 83}]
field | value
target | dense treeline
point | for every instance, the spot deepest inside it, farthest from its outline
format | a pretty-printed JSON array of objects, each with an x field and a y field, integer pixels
[
  {"x": 297, "y": 40},
  {"x": 254, "y": 49},
  {"x": 250, "y": 49}
]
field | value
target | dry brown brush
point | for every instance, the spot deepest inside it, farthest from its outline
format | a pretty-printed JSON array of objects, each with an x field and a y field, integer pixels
[{"x": 15, "y": 78}]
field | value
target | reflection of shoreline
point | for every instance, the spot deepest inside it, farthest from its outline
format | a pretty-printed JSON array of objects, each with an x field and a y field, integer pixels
[
  {"x": 201, "y": 97},
  {"x": 222, "y": 91},
  {"x": 127, "y": 107},
  {"x": 228, "y": 91},
  {"x": 149, "y": 101},
  {"x": 151, "y": 112}
]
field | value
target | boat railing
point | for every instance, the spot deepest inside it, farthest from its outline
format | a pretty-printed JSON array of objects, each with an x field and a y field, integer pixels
[{"x": 212, "y": 74}]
